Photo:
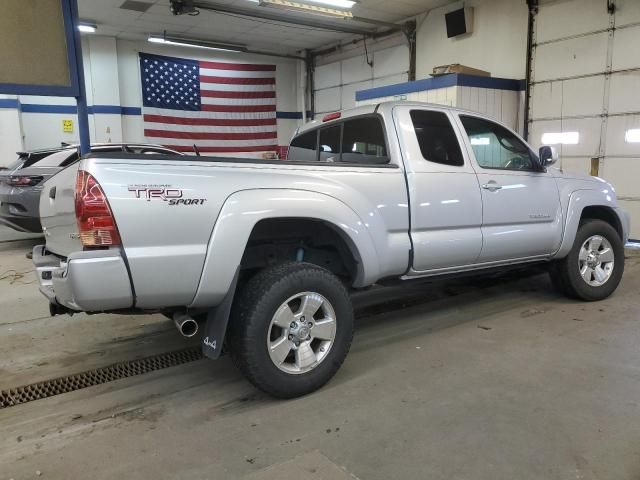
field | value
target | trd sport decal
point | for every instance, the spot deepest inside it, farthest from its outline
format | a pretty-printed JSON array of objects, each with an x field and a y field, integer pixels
[{"x": 166, "y": 193}]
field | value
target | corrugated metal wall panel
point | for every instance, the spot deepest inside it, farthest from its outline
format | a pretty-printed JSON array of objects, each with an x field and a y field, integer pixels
[
  {"x": 585, "y": 78},
  {"x": 390, "y": 66}
]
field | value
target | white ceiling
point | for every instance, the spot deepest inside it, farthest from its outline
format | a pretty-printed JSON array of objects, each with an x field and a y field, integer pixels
[{"x": 253, "y": 32}]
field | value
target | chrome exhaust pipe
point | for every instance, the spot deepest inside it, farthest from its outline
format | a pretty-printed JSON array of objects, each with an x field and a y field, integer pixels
[{"x": 186, "y": 325}]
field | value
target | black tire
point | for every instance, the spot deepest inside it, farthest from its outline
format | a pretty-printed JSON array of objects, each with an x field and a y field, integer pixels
[
  {"x": 565, "y": 273},
  {"x": 251, "y": 317}
]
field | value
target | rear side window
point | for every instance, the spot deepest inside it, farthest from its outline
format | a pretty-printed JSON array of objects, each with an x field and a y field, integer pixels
[
  {"x": 57, "y": 159},
  {"x": 358, "y": 140},
  {"x": 144, "y": 150},
  {"x": 304, "y": 148},
  {"x": 330, "y": 143},
  {"x": 363, "y": 141},
  {"x": 436, "y": 137}
]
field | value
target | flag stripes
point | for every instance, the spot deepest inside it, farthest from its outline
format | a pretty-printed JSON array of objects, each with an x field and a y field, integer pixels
[{"x": 221, "y": 107}]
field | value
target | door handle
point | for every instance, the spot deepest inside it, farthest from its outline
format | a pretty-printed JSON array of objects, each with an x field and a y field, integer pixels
[
  {"x": 52, "y": 193},
  {"x": 492, "y": 187}
]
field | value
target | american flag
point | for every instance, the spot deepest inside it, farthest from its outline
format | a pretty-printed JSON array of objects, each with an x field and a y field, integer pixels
[{"x": 227, "y": 108}]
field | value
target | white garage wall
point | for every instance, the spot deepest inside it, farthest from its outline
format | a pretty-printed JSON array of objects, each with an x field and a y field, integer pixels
[
  {"x": 10, "y": 129},
  {"x": 498, "y": 43},
  {"x": 586, "y": 75},
  {"x": 113, "y": 86},
  {"x": 339, "y": 76}
]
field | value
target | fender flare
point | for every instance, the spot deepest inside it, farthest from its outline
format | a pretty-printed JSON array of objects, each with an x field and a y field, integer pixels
[
  {"x": 578, "y": 201},
  {"x": 244, "y": 209}
]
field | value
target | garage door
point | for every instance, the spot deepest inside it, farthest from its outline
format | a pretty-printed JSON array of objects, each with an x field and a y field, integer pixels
[
  {"x": 336, "y": 83},
  {"x": 584, "y": 90}
]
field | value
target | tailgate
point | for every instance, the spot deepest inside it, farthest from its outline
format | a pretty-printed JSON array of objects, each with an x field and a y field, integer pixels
[{"x": 57, "y": 212}]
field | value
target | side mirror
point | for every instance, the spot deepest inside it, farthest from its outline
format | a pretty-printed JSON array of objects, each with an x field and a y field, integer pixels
[{"x": 548, "y": 155}]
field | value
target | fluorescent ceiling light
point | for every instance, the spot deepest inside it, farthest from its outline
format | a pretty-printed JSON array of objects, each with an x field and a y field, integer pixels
[
  {"x": 564, "y": 138},
  {"x": 330, "y": 8},
  {"x": 480, "y": 141},
  {"x": 632, "y": 136},
  {"x": 343, "y": 4},
  {"x": 346, "y": 4},
  {"x": 87, "y": 27},
  {"x": 194, "y": 43}
]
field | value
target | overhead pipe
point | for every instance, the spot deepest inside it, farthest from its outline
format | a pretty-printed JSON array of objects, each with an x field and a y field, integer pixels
[
  {"x": 274, "y": 17},
  {"x": 372, "y": 35}
]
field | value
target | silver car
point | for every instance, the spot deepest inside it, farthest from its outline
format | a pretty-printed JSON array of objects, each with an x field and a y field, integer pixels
[{"x": 21, "y": 182}]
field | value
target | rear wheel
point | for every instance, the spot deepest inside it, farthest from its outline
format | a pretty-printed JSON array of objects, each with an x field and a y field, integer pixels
[
  {"x": 291, "y": 329},
  {"x": 593, "y": 268}
]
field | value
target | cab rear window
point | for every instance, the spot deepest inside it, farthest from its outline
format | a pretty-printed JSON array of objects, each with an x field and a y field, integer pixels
[
  {"x": 358, "y": 140},
  {"x": 304, "y": 148}
]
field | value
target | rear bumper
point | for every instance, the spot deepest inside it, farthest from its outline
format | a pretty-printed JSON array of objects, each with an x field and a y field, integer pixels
[{"x": 92, "y": 281}]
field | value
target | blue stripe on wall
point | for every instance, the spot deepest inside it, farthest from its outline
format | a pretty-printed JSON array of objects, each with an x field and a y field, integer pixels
[
  {"x": 131, "y": 111},
  {"x": 102, "y": 109},
  {"x": 292, "y": 115},
  {"x": 452, "y": 80},
  {"x": 107, "y": 109},
  {"x": 289, "y": 115},
  {"x": 9, "y": 103},
  {"x": 38, "y": 108},
  {"x": 490, "y": 82}
]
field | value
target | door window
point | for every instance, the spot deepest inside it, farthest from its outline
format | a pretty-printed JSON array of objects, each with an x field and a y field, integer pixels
[
  {"x": 497, "y": 147},
  {"x": 363, "y": 141},
  {"x": 436, "y": 137},
  {"x": 304, "y": 148},
  {"x": 330, "y": 143}
]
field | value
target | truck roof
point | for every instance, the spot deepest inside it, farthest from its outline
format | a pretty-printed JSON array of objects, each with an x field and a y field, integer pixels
[{"x": 369, "y": 109}]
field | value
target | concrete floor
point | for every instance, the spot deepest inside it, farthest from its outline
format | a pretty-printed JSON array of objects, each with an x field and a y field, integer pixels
[{"x": 481, "y": 379}]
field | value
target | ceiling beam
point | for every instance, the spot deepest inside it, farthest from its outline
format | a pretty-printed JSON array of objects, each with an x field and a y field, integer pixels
[{"x": 274, "y": 17}]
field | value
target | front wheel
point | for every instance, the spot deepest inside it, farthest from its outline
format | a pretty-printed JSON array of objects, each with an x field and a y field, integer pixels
[
  {"x": 291, "y": 329},
  {"x": 593, "y": 268}
]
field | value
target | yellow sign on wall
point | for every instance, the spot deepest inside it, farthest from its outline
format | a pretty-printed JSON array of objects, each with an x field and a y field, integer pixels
[{"x": 67, "y": 126}]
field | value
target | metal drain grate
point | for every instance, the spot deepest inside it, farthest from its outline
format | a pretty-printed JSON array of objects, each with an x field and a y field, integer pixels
[{"x": 70, "y": 383}]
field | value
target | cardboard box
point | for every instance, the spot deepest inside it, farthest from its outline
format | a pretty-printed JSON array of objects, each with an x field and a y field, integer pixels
[{"x": 458, "y": 68}]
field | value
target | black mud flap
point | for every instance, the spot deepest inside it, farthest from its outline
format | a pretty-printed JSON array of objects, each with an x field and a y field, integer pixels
[{"x": 217, "y": 321}]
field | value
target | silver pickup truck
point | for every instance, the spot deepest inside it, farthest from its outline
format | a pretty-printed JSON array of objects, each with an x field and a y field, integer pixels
[{"x": 265, "y": 253}]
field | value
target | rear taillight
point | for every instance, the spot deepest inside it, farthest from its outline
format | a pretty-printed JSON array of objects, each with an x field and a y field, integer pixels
[
  {"x": 23, "y": 181},
  {"x": 95, "y": 221}
]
